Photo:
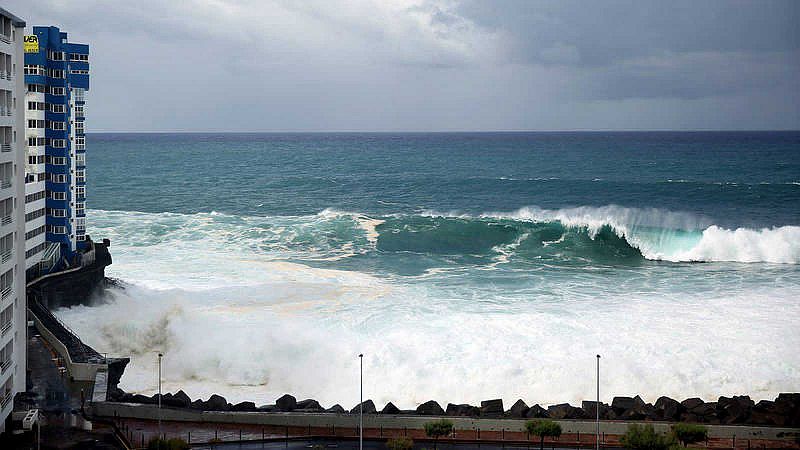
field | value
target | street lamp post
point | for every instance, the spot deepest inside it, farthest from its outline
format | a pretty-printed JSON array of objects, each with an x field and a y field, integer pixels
[
  {"x": 160, "y": 355},
  {"x": 361, "y": 404},
  {"x": 597, "y": 406}
]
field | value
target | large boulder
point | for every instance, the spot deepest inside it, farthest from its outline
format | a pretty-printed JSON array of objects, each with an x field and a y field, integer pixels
[
  {"x": 182, "y": 399},
  {"x": 286, "y": 403},
  {"x": 390, "y": 409},
  {"x": 691, "y": 403},
  {"x": 537, "y": 412},
  {"x": 337, "y": 409},
  {"x": 309, "y": 405},
  {"x": 244, "y": 406},
  {"x": 702, "y": 413},
  {"x": 788, "y": 405},
  {"x": 268, "y": 408},
  {"x": 622, "y": 404},
  {"x": 668, "y": 409},
  {"x": 492, "y": 408},
  {"x": 368, "y": 405},
  {"x": 518, "y": 409},
  {"x": 216, "y": 403},
  {"x": 735, "y": 409},
  {"x": 565, "y": 411},
  {"x": 590, "y": 409},
  {"x": 462, "y": 410},
  {"x": 430, "y": 408}
]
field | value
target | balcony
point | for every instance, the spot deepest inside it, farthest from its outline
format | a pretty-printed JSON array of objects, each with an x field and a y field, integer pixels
[
  {"x": 5, "y": 184},
  {"x": 5, "y": 147},
  {"x": 6, "y": 399},
  {"x": 6, "y": 328},
  {"x": 5, "y": 255},
  {"x": 6, "y": 220},
  {"x": 3, "y": 366},
  {"x": 6, "y": 292}
]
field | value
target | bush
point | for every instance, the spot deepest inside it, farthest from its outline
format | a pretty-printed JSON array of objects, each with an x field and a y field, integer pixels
[
  {"x": 543, "y": 429},
  {"x": 644, "y": 437},
  {"x": 437, "y": 429},
  {"x": 689, "y": 433},
  {"x": 400, "y": 443},
  {"x": 167, "y": 444}
]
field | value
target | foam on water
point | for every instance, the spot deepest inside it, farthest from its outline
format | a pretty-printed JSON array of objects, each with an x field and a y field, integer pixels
[{"x": 217, "y": 295}]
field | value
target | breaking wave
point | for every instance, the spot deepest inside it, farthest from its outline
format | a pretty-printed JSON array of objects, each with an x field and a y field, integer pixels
[{"x": 594, "y": 234}]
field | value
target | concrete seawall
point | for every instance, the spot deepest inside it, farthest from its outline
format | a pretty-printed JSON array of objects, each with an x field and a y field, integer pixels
[{"x": 323, "y": 420}]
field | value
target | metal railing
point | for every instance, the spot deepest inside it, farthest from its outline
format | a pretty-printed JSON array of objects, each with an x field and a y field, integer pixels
[
  {"x": 6, "y": 327},
  {"x": 6, "y": 220},
  {"x": 5, "y": 184},
  {"x": 5, "y": 255},
  {"x": 6, "y": 399},
  {"x": 5, "y": 147},
  {"x": 6, "y": 292},
  {"x": 5, "y": 365}
]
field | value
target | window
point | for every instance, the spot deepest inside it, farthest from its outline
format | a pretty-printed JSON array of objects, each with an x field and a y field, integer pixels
[
  {"x": 35, "y": 232},
  {"x": 32, "y": 69},
  {"x": 6, "y": 281},
  {"x": 58, "y": 178},
  {"x": 79, "y": 127},
  {"x": 79, "y": 111},
  {"x": 58, "y": 143},
  {"x": 36, "y": 141},
  {"x": 80, "y": 159},
  {"x": 6, "y": 317},
  {"x": 36, "y": 106},
  {"x": 33, "y": 123},
  {"x": 80, "y": 176},
  {"x": 36, "y": 88},
  {"x": 55, "y": 56},
  {"x": 79, "y": 72},
  {"x": 78, "y": 57},
  {"x": 55, "y": 195},
  {"x": 35, "y": 196},
  {"x": 34, "y": 214},
  {"x": 58, "y": 160},
  {"x": 57, "y": 108},
  {"x": 36, "y": 249},
  {"x": 57, "y": 229},
  {"x": 55, "y": 73},
  {"x": 80, "y": 191},
  {"x": 58, "y": 126},
  {"x": 80, "y": 143},
  {"x": 56, "y": 212},
  {"x": 80, "y": 209},
  {"x": 79, "y": 94},
  {"x": 57, "y": 90}
]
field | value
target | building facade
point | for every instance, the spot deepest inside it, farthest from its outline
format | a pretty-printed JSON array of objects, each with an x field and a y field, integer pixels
[
  {"x": 57, "y": 78},
  {"x": 13, "y": 331}
]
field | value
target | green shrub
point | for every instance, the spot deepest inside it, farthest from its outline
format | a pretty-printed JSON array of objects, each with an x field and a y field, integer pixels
[
  {"x": 437, "y": 429},
  {"x": 644, "y": 437},
  {"x": 543, "y": 429},
  {"x": 689, "y": 433},
  {"x": 167, "y": 444},
  {"x": 400, "y": 443}
]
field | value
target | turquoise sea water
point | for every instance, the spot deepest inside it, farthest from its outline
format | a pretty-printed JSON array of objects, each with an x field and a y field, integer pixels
[{"x": 465, "y": 266}]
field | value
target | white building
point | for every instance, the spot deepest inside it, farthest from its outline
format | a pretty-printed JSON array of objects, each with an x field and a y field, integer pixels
[{"x": 13, "y": 332}]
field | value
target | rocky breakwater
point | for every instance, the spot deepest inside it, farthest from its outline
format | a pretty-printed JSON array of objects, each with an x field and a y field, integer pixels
[{"x": 784, "y": 411}]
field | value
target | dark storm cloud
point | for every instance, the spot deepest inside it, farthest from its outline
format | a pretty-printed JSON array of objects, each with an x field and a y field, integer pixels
[{"x": 435, "y": 64}]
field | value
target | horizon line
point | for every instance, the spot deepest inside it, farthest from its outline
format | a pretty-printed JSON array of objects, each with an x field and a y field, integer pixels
[{"x": 577, "y": 130}]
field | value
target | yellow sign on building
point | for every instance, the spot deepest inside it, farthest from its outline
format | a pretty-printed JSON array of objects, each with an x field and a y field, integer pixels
[{"x": 31, "y": 43}]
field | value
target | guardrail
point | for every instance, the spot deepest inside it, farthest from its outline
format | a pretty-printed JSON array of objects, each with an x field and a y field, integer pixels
[
  {"x": 5, "y": 184},
  {"x": 5, "y": 147},
  {"x": 6, "y": 292},
  {"x": 6, "y": 220},
  {"x": 5, "y": 255}
]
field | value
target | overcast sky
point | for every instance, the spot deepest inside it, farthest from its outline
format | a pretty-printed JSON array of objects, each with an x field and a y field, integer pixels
[{"x": 384, "y": 65}]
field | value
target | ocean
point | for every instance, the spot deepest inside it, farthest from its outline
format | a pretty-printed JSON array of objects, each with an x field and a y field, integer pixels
[{"x": 464, "y": 266}]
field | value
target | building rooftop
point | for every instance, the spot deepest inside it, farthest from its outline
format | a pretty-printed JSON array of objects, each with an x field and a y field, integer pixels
[{"x": 14, "y": 19}]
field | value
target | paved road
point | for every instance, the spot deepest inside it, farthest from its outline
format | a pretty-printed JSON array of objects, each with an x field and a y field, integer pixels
[{"x": 368, "y": 445}]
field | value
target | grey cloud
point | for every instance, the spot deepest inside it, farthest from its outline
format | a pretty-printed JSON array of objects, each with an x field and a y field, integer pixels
[{"x": 250, "y": 65}]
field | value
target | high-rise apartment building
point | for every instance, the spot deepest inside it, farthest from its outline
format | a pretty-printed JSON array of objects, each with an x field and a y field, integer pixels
[
  {"x": 57, "y": 78},
  {"x": 13, "y": 337}
]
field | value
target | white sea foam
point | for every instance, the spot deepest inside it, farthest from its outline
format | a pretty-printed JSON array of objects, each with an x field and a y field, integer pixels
[
  {"x": 675, "y": 236},
  {"x": 233, "y": 319}
]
